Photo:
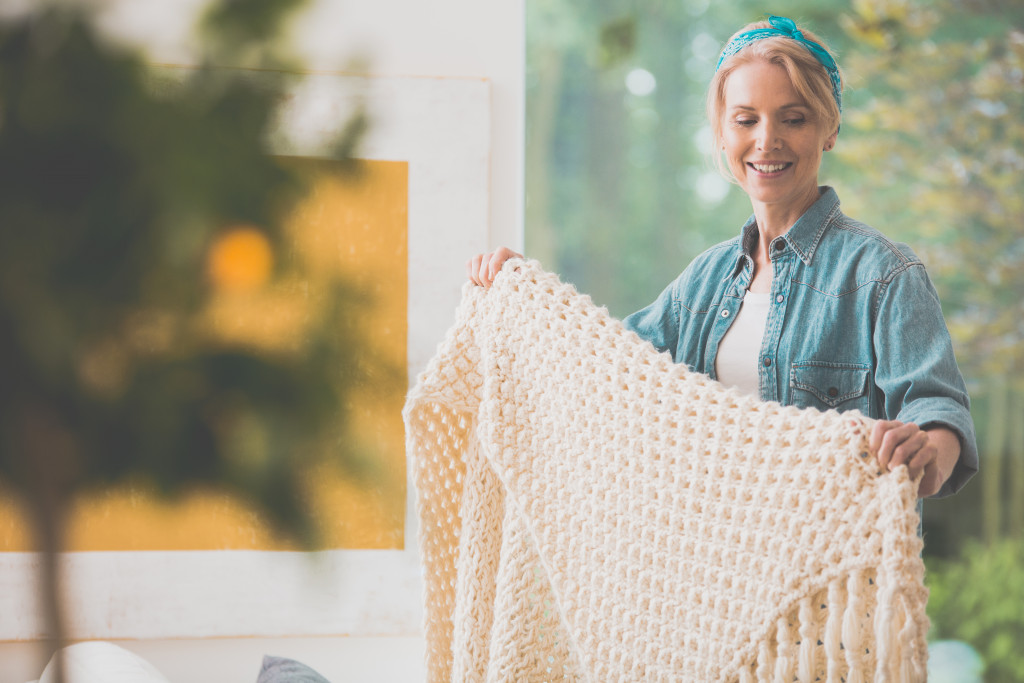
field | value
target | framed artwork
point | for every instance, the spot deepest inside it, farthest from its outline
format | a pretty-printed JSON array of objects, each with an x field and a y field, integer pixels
[{"x": 399, "y": 229}]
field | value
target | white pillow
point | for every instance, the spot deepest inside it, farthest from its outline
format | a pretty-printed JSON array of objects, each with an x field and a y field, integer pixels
[{"x": 99, "y": 662}]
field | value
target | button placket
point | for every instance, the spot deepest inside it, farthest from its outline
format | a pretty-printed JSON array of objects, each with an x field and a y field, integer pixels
[{"x": 773, "y": 332}]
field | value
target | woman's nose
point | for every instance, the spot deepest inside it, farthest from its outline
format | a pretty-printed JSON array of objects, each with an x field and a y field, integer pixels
[{"x": 767, "y": 137}]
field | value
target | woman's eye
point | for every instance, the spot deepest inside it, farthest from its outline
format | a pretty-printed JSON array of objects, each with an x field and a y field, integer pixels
[
  {"x": 796, "y": 122},
  {"x": 745, "y": 122}
]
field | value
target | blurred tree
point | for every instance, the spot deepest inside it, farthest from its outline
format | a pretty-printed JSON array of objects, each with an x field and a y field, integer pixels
[
  {"x": 940, "y": 131},
  {"x": 940, "y": 139},
  {"x": 942, "y": 121},
  {"x": 123, "y": 208}
]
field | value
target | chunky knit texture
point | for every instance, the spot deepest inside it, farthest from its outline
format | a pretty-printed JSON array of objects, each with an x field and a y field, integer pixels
[{"x": 591, "y": 511}]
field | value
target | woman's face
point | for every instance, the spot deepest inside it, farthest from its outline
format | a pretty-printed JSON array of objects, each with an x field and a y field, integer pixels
[{"x": 772, "y": 143}]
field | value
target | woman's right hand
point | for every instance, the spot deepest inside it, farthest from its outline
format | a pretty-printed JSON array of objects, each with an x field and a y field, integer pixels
[{"x": 482, "y": 268}]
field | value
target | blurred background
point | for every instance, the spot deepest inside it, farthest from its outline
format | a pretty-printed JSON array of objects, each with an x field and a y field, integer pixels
[
  {"x": 620, "y": 196},
  {"x": 230, "y": 232},
  {"x": 107, "y": 329},
  {"x": 186, "y": 312}
]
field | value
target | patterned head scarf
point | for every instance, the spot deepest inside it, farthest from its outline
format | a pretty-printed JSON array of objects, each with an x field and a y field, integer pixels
[{"x": 786, "y": 28}]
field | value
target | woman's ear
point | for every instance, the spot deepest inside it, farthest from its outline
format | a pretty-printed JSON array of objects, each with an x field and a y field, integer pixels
[{"x": 830, "y": 141}]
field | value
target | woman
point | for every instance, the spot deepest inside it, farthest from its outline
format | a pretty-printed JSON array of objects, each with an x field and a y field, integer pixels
[{"x": 808, "y": 307}]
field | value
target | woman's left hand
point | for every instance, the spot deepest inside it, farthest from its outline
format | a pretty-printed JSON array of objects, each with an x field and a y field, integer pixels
[{"x": 933, "y": 452}]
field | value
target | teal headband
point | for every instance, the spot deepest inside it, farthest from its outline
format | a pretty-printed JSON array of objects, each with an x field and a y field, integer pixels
[{"x": 786, "y": 28}]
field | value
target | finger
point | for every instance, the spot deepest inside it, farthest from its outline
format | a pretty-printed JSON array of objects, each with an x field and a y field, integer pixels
[
  {"x": 904, "y": 443},
  {"x": 472, "y": 267},
  {"x": 507, "y": 254},
  {"x": 889, "y": 437},
  {"x": 475, "y": 266},
  {"x": 877, "y": 432},
  {"x": 923, "y": 458},
  {"x": 494, "y": 265},
  {"x": 497, "y": 260},
  {"x": 876, "y": 441},
  {"x": 483, "y": 270}
]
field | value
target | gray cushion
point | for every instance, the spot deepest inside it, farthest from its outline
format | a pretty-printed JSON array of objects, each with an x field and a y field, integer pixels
[{"x": 282, "y": 670}]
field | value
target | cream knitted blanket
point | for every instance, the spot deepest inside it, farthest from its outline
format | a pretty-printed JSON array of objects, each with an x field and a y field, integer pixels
[{"x": 591, "y": 511}]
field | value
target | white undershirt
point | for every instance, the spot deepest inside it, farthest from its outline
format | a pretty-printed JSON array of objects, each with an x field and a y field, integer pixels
[{"x": 736, "y": 364}]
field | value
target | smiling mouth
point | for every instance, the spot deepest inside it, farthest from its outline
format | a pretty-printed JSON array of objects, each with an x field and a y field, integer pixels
[{"x": 770, "y": 168}]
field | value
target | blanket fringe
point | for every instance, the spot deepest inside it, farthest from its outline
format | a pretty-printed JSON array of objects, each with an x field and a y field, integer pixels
[{"x": 822, "y": 637}]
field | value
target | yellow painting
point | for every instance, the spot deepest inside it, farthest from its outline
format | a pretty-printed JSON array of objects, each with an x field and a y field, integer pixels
[{"x": 354, "y": 225}]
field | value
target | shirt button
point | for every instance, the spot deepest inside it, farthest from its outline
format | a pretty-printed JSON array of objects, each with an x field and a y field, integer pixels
[
  {"x": 780, "y": 298},
  {"x": 725, "y": 313},
  {"x": 832, "y": 392},
  {"x": 780, "y": 245},
  {"x": 767, "y": 362}
]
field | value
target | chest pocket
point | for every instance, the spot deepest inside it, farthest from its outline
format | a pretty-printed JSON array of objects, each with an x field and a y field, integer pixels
[{"x": 839, "y": 386}]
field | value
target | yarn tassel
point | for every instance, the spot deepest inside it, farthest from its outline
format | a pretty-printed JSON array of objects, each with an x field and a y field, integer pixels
[
  {"x": 913, "y": 663},
  {"x": 833, "y": 631},
  {"x": 888, "y": 645},
  {"x": 765, "y": 663},
  {"x": 851, "y": 627},
  {"x": 808, "y": 642},
  {"x": 785, "y": 665}
]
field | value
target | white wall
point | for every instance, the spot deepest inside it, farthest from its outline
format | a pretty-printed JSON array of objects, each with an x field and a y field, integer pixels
[
  {"x": 454, "y": 38},
  {"x": 476, "y": 39},
  {"x": 436, "y": 38}
]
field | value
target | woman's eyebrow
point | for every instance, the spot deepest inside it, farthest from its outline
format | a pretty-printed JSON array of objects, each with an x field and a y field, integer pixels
[{"x": 747, "y": 107}]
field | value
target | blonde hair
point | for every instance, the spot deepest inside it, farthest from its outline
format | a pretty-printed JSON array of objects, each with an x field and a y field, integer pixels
[{"x": 809, "y": 78}]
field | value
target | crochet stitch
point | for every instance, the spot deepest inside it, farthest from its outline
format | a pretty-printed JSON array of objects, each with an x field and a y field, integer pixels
[{"x": 590, "y": 511}]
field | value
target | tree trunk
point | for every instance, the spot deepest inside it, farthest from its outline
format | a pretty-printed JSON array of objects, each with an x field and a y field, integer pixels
[
  {"x": 49, "y": 525},
  {"x": 51, "y": 462},
  {"x": 1015, "y": 452},
  {"x": 992, "y": 471}
]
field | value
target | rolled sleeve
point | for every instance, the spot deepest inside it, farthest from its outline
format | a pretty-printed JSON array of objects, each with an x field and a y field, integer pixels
[{"x": 917, "y": 370}]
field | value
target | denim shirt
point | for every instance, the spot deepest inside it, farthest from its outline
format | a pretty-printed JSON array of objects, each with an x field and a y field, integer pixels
[{"x": 854, "y": 324}]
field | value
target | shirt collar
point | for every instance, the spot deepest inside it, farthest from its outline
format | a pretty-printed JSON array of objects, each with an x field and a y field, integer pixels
[{"x": 804, "y": 236}]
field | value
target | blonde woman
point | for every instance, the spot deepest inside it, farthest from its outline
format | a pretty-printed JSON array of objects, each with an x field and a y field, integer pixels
[{"x": 806, "y": 306}]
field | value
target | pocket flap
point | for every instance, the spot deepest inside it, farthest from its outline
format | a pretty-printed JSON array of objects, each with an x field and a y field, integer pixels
[{"x": 831, "y": 383}]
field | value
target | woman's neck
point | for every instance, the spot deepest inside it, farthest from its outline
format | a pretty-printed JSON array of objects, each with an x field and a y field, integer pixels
[{"x": 776, "y": 219}]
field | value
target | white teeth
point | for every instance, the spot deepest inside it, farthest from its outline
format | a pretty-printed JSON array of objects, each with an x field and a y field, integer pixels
[{"x": 769, "y": 168}]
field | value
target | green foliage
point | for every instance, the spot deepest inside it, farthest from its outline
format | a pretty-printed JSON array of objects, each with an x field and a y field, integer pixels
[
  {"x": 932, "y": 153},
  {"x": 618, "y": 41},
  {"x": 114, "y": 188},
  {"x": 978, "y": 598},
  {"x": 935, "y": 153},
  {"x": 246, "y": 32}
]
